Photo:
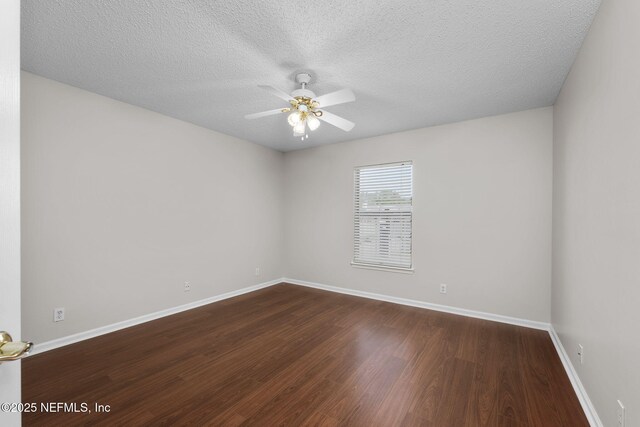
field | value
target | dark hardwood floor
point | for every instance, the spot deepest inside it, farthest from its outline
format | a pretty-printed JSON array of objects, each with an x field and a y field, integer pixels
[{"x": 289, "y": 355}]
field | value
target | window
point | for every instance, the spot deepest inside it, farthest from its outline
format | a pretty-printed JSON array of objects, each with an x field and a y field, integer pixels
[{"x": 383, "y": 197}]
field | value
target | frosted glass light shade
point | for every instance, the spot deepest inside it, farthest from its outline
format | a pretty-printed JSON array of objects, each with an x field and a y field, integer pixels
[
  {"x": 313, "y": 122},
  {"x": 294, "y": 118},
  {"x": 298, "y": 129}
]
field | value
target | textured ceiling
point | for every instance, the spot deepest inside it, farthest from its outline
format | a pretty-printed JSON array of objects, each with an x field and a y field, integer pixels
[{"x": 411, "y": 63}]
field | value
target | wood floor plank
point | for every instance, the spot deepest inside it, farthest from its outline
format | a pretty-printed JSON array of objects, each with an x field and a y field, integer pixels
[
  {"x": 512, "y": 400},
  {"x": 483, "y": 393},
  {"x": 290, "y": 355}
]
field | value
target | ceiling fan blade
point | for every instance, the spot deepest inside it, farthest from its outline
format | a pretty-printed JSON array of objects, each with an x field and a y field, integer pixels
[
  {"x": 334, "y": 98},
  {"x": 265, "y": 113},
  {"x": 337, "y": 121},
  {"x": 277, "y": 92}
]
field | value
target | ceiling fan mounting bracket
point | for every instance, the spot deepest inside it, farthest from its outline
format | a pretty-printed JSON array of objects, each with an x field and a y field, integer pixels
[{"x": 303, "y": 78}]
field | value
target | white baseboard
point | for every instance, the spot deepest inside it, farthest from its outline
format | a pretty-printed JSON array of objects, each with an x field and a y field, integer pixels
[
  {"x": 421, "y": 304},
  {"x": 81, "y": 336},
  {"x": 587, "y": 406},
  {"x": 70, "y": 339}
]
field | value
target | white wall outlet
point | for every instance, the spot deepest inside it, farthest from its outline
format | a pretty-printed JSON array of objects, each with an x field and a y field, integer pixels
[
  {"x": 187, "y": 286},
  {"x": 58, "y": 314},
  {"x": 581, "y": 353},
  {"x": 621, "y": 414},
  {"x": 257, "y": 271},
  {"x": 443, "y": 288}
]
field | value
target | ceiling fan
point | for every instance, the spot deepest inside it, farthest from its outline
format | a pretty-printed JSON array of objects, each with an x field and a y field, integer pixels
[{"x": 305, "y": 108}]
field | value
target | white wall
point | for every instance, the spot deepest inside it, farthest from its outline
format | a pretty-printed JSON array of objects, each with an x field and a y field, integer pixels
[
  {"x": 482, "y": 214},
  {"x": 122, "y": 205},
  {"x": 596, "y": 214}
]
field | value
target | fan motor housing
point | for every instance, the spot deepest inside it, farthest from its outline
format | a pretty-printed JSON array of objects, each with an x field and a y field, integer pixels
[{"x": 303, "y": 93}]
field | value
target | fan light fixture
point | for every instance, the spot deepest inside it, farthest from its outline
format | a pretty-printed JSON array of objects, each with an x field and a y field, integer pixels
[{"x": 304, "y": 112}]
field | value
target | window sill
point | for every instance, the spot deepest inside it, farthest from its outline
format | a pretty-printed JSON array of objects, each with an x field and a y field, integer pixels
[{"x": 382, "y": 268}]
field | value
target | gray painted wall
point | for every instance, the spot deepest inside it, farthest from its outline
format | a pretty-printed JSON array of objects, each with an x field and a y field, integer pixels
[
  {"x": 482, "y": 214},
  {"x": 596, "y": 211},
  {"x": 121, "y": 206}
]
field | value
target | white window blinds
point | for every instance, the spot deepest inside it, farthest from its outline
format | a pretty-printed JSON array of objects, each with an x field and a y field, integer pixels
[{"x": 382, "y": 215}]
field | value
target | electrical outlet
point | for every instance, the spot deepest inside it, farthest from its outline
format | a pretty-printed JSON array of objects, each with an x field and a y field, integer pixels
[
  {"x": 443, "y": 288},
  {"x": 187, "y": 286},
  {"x": 621, "y": 414},
  {"x": 257, "y": 271},
  {"x": 581, "y": 353},
  {"x": 58, "y": 314}
]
